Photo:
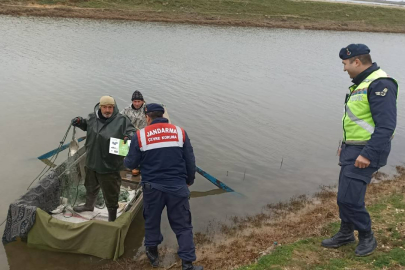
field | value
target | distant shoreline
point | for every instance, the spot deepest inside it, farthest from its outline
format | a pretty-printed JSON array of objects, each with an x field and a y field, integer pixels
[{"x": 312, "y": 15}]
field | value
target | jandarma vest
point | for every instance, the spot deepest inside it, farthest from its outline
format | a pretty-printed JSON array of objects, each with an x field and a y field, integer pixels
[
  {"x": 358, "y": 123},
  {"x": 159, "y": 136}
]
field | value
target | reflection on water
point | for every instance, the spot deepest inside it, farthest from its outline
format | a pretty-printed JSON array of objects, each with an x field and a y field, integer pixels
[
  {"x": 247, "y": 97},
  {"x": 48, "y": 163},
  {"x": 197, "y": 194}
]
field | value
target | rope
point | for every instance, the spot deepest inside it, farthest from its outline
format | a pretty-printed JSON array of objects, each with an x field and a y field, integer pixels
[
  {"x": 52, "y": 160},
  {"x": 77, "y": 193},
  {"x": 3, "y": 222},
  {"x": 43, "y": 172}
]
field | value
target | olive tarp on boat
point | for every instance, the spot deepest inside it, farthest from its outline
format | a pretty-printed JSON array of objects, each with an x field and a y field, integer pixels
[{"x": 29, "y": 217}]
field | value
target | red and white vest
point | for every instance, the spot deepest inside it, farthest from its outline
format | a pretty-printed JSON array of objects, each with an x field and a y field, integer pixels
[{"x": 159, "y": 136}]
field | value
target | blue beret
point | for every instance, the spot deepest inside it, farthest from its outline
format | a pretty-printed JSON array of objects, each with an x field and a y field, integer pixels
[
  {"x": 353, "y": 50},
  {"x": 153, "y": 107}
]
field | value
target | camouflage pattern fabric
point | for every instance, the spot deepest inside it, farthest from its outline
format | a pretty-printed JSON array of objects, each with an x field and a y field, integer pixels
[{"x": 137, "y": 117}]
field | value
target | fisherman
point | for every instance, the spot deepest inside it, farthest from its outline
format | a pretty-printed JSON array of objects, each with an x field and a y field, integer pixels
[
  {"x": 167, "y": 161},
  {"x": 102, "y": 168},
  {"x": 135, "y": 113},
  {"x": 369, "y": 123}
]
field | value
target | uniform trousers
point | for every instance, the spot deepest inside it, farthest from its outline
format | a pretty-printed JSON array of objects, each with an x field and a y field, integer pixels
[
  {"x": 353, "y": 183},
  {"x": 178, "y": 212}
]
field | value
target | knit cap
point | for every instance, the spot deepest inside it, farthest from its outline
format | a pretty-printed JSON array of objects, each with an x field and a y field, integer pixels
[{"x": 137, "y": 96}]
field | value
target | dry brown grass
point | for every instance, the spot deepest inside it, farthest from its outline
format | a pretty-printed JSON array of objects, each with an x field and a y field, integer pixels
[{"x": 246, "y": 239}]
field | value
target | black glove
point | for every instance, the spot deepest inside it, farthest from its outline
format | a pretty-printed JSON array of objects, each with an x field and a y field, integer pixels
[
  {"x": 126, "y": 139},
  {"x": 76, "y": 121}
]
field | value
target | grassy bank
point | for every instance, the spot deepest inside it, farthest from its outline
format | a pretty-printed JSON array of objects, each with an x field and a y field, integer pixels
[
  {"x": 288, "y": 235},
  {"x": 300, "y": 14},
  {"x": 388, "y": 216}
]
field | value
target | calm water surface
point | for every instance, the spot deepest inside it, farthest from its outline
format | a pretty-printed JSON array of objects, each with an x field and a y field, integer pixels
[{"x": 247, "y": 97}]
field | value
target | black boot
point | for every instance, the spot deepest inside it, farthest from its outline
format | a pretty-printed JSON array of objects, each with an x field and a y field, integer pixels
[
  {"x": 88, "y": 206},
  {"x": 343, "y": 237},
  {"x": 367, "y": 243},
  {"x": 153, "y": 256},
  {"x": 112, "y": 214},
  {"x": 189, "y": 266}
]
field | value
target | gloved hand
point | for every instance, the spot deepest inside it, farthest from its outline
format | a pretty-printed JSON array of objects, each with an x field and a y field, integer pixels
[
  {"x": 76, "y": 121},
  {"x": 126, "y": 139}
]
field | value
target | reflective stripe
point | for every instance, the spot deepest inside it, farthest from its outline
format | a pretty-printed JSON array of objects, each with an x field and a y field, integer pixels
[
  {"x": 351, "y": 142},
  {"x": 143, "y": 138},
  {"x": 356, "y": 142},
  {"x": 138, "y": 134},
  {"x": 146, "y": 146},
  {"x": 180, "y": 135},
  {"x": 366, "y": 126},
  {"x": 161, "y": 145}
]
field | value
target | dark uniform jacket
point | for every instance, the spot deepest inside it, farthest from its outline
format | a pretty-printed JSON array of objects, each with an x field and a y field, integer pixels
[
  {"x": 99, "y": 131},
  {"x": 168, "y": 169},
  {"x": 384, "y": 113}
]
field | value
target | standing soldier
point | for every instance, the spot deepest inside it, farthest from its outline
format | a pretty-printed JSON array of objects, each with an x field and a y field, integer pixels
[
  {"x": 369, "y": 123},
  {"x": 135, "y": 113},
  {"x": 102, "y": 168},
  {"x": 167, "y": 162}
]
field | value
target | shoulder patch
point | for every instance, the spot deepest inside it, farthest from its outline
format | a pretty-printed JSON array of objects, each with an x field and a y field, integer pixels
[{"x": 382, "y": 93}]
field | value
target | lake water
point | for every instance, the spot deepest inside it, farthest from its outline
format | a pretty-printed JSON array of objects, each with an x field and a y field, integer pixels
[{"x": 249, "y": 98}]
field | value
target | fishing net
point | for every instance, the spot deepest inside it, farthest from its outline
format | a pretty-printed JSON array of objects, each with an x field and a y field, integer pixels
[
  {"x": 72, "y": 184},
  {"x": 57, "y": 188}
]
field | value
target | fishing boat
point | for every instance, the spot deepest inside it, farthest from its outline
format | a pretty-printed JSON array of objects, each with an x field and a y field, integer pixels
[{"x": 43, "y": 217}]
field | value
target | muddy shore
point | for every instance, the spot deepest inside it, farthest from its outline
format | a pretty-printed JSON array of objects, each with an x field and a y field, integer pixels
[{"x": 246, "y": 242}]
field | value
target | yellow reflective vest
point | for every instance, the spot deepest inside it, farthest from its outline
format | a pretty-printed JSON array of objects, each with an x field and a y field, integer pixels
[{"x": 358, "y": 123}]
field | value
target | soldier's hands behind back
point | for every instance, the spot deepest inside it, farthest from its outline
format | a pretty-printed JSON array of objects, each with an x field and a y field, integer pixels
[{"x": 362, "y": 162}]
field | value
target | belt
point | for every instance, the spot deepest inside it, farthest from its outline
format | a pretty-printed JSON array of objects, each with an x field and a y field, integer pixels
[
  {"x": 355, "y": 142},
  {"x": 351, "y": 142}
]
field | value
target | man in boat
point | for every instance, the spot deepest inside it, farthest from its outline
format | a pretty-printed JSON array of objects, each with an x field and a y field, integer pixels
[
  {"x": 167, "y": 161},
  {"x": 369, "y": 123},
  {"x": 135, "y": 113},
  {"x": 102, "y": 168}
]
